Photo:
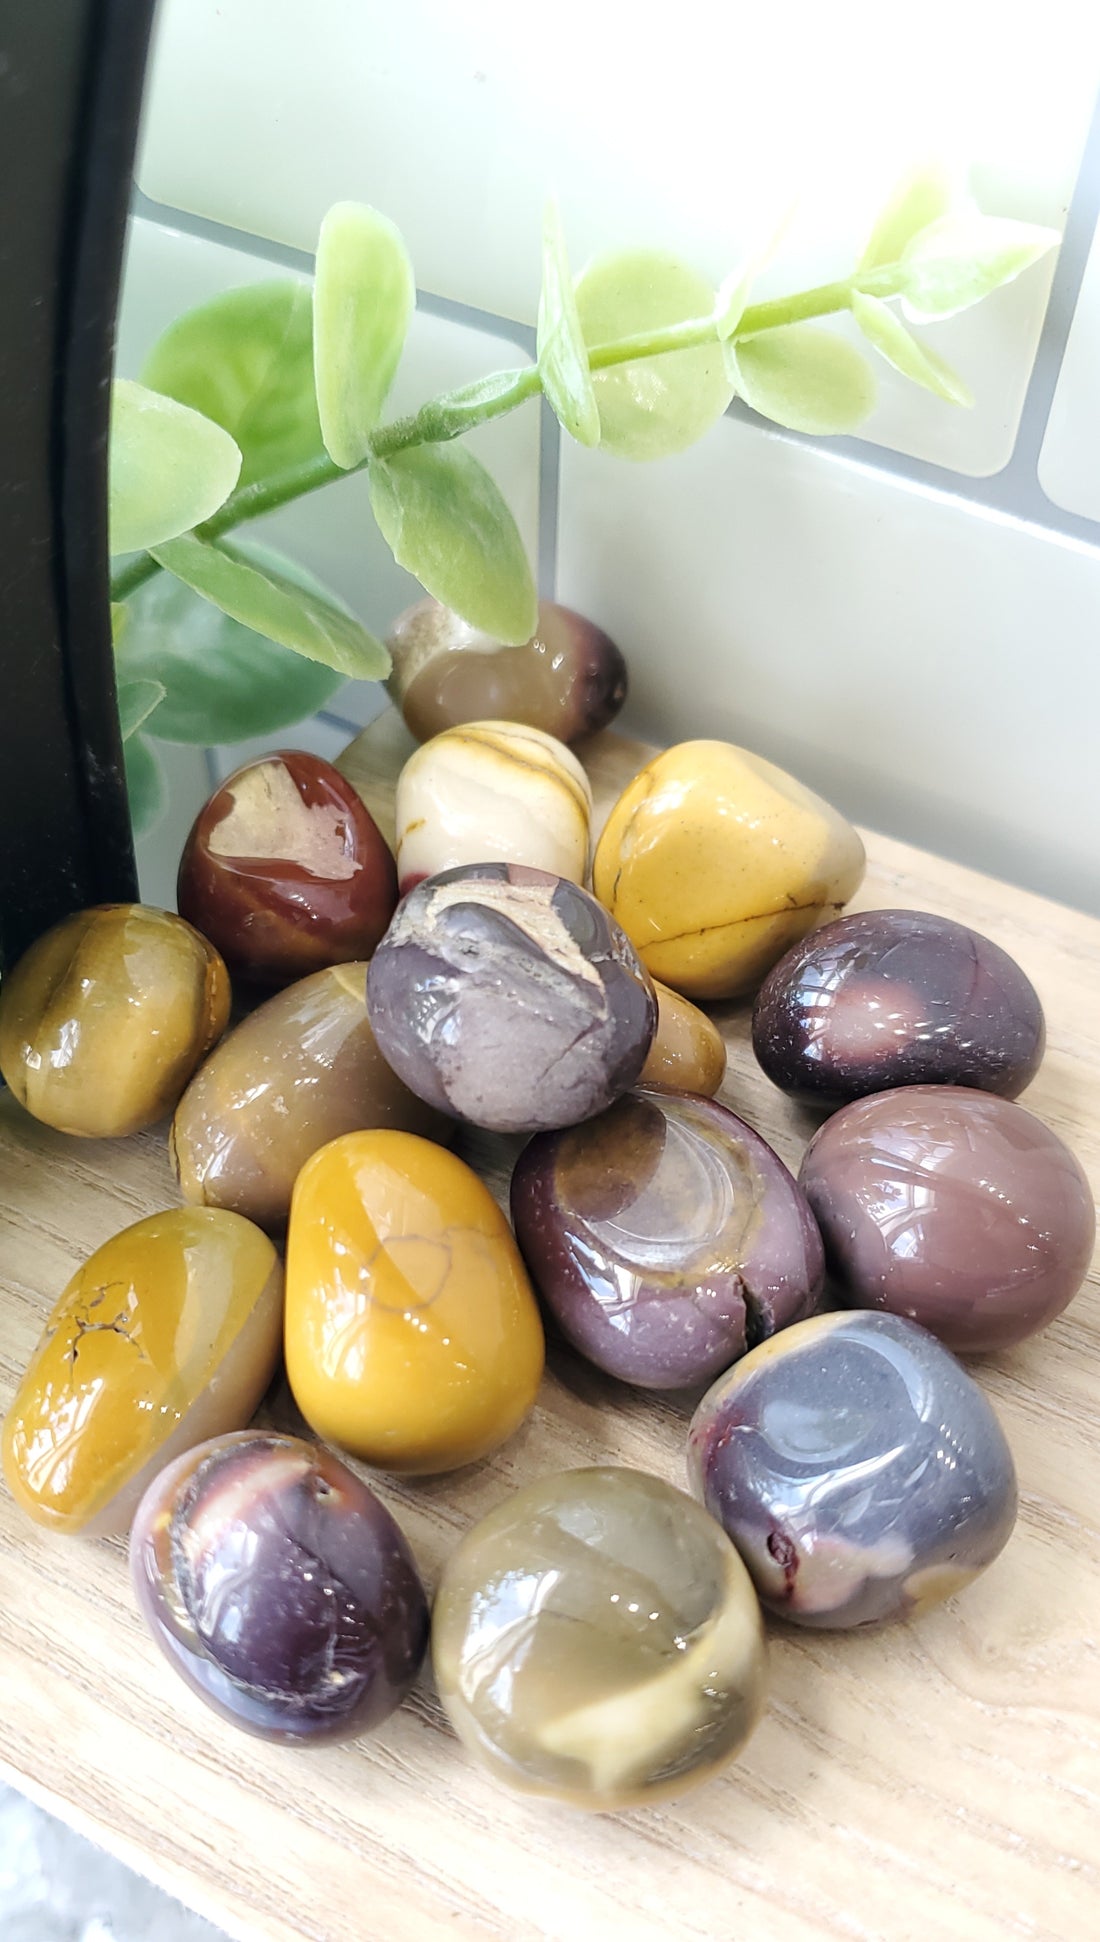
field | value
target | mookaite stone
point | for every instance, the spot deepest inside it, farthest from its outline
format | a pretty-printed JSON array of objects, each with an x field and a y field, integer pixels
[
  {"x": 167, "y": 1335},
  {"x": 860, "y": 1471},
  {"x": 492, "y": 791},
  {"x": 715, "y": 862},
  {"x": 413, "y": 1339},
  {"x": 597, "y": 1639},
  {"x": 689, "y": 1053}
]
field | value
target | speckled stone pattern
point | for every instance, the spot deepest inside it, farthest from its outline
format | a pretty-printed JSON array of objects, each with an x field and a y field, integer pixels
[
  {"x": 569, "y": 679},
  {"x": 508, "y": 997},
  {"x": 860, "y": 1471},
  {"x": 885, "y": 998},
  {"x": 279, "y": 1588},
  {"x": 492, "y": 792},
  {"x": 665, "y": 1237},
  {"x": 953, "y": 1207},
  {"x": 597, "y": 1639}
]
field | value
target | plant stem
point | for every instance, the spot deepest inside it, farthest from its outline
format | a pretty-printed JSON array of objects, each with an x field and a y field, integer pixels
[{"x": 460, "y": 411}]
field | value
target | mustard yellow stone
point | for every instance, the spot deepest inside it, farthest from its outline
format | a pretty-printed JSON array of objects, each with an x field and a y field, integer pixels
[
  {"x": 688, "y": 1053},
  {"x": 168, "y": 1334},
  {"x": 715, "y": 862},
  {"x": 413, "y": 1339}
]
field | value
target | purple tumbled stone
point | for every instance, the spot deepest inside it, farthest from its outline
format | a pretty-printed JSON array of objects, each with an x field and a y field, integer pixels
[
  {"x": 885, "y": 998},
  {"x": 665, "y": 1237},
  {"x": 508, "y": 997},
  {"x": 279, "y": 1587}
]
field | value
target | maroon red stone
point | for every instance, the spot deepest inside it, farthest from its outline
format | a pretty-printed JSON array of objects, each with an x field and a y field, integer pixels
[{"x": 286, "y": 871}]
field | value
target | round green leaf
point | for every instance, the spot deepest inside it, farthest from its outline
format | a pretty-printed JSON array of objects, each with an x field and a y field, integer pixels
[
  {"x": 803, "y": 377},
  {"x": 145, "y": 785},
  {"x": 264, "y": 598},
  {"x": 562, "y": 356},
  {"x": 170, "y": 468},
  {"x": 955, "y": 262},
  {"x": 363, "y": 297},
  {"x": 917, "y": 361},
  {"x": 445, "y": 519},
  {"x": 137, "y": 700},
  {"x": 245, "y": 359},
  {"x": 920, "y": 198},
  {"x": 655, "y": 405},
  {"x": 222, "y": 682}
]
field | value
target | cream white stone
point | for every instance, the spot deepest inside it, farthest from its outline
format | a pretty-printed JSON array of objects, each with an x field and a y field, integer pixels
[{"x": 492, "y": 792}]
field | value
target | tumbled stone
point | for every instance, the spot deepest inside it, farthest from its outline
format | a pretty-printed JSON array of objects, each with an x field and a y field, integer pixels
[
  {"x": 492, "y": 792},
  {"x": 688, "y": 1053}
]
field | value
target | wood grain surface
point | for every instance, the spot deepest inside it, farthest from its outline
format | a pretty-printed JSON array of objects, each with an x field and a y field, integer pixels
[{"x": 935, "y": 1782}]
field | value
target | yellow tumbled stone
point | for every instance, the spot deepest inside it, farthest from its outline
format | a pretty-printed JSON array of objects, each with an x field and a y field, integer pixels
[
  {"x": 688, "y": 1053},
  {"x": 413, "y": 1339},
  {"x": 715, "y": 862},
  {"x": 167, "y": 1335}
]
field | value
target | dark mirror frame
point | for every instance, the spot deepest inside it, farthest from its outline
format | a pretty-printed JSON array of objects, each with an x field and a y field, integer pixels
[{"x": 71, "y": 74}]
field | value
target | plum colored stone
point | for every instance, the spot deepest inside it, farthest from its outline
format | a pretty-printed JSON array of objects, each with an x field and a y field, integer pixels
[
  {"x": 286, "y": 871},
  {"x": 597, "y": 1639},
  {"x": 885, "y": 998},
  {"x": 665, "y": 1237},
  {"x": 508, "y": 997},
  {"x": 279, "y": 1588},
  {"x": 954, "y": 1208},
  {"x": 569, "y": 679},
  {"x": 859, "y": 1470}
]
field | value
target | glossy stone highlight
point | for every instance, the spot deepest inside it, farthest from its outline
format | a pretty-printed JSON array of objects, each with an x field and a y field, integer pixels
[
  {"x": 168, "y": 1334},
  {"x": 569, "y": 679},
  {"x": 492, "y": 792},
  {"x": 286, "y": 871},
  {"x": 859, "y": 1470},
  {"x": 296, "y": 1073},
  {"x": 509, "y": 998},
  {"x": 715, "y": 862},
  {"x": 885, "y": 998},
  {"x": 279, "y": 1588},
  {"x": 597, "y": 1639},
  {"x": 105, "y": 1018},
  {"x": 689, "y": 1053},
  {"x": 665, "y": 1237},
  {"x": 413, "y": 1339},
  {"x": 954, "y": 1208}
]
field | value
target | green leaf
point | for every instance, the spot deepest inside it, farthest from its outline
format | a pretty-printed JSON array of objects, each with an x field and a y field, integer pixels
[
  {"x": 958, "y": 260},
  {"x": 562, "y": 356},
  {"x": 120, "y": 621},
  {"x": 145, "y": 785},
  {"x": 136, "y": 702},
  {"x": 445, "y": 519},
  {"x": 803, "y": 377},
  {"x": 921, "y": 197},
  {"x": 245, "y": 359},
  {"x": 733, "y": 295},
  {"x": 170, "y": 468},
  {"x": 917, "y": 361},
  {"x": 656, "y": 405},
  {"x": 364, "y": 294},
  {"x": 265, "y": 599},
  {"x": 224, "y": 682}
]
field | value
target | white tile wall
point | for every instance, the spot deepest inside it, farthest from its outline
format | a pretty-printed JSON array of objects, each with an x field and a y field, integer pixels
[
  {"x": 689, "y": 128},
  {"x": 1069, "y": 463}
]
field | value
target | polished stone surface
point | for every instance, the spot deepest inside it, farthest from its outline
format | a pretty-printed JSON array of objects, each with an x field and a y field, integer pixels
[
  {"x": 105, "y": 1018},
  {"x": 860, "y": 1471},
  {"x": 569, "y": 679},
  {"x": 885, "y": 998},
  {"x": 714, "y": 862},
  {"x": 665, "y": 1237},
  {"x": 297, "y": 1072},
  {"x": 413, "y": 1339},
  {"x": 596, "y": 1639},
  {"x": 509, "y": 998},
  {"x": 492, "y": 792},
  {"x": 286, "y": 871},
  {"x": 279, "y": 1588},
  {"x": 953, "y": 1207},
  {"x": 689, "y": 1052},
  {"x": 168, "y": 1334}
]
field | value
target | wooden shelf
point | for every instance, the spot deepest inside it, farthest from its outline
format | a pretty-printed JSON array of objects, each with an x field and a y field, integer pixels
[{"x": 937, "y": 1780}]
